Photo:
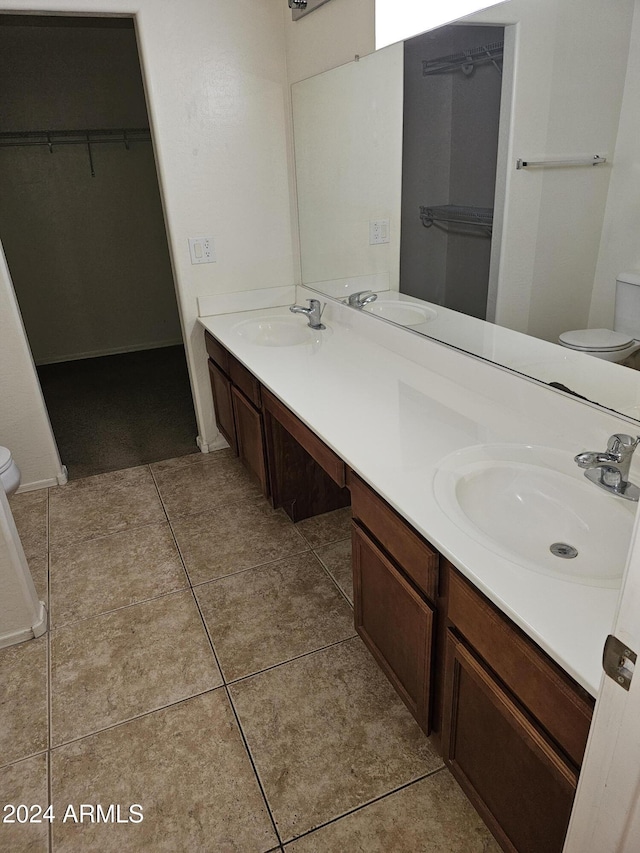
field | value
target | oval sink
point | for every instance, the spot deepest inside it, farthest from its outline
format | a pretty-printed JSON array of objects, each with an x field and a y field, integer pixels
[
  {"x": 279, "y": 331},
  {"x": 528, "y": 504},
  {"x": 402, "y": 313}
]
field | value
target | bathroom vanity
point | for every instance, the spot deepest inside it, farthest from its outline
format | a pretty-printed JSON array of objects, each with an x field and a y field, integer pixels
[{"x": 498, "y": 661}]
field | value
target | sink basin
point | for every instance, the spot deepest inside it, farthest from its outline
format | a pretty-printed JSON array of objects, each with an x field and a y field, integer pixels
[
  {"x": 403, "y": 313},
  {"x": 519, "y": 501},
  {"x": 279, "y": 331}
]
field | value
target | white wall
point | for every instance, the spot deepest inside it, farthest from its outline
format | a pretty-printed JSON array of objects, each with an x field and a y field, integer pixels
[
  {"x": 619, "y": 245},
  {"x": 570, "y": 60},
  {"x": 216, "y": 82},
  {"x": 348, "y": 143}
]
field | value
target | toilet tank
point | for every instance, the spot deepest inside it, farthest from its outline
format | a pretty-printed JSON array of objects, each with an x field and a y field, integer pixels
[{"x": 627, "y": 313}]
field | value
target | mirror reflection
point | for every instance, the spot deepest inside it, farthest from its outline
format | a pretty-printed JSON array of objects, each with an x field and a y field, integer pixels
[{"x": 409, "y": 185}]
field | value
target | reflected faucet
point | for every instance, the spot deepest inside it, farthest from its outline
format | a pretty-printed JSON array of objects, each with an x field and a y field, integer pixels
[
  {"x": 610, "y": 470},
  {"x": 313, "y": 312},
  {"x": 361, "y": 298}
]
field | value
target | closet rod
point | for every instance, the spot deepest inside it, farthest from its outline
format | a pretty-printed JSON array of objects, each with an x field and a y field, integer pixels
[
  {"x": 464, "y": 60},
  {"x": 73, "y": 137},
  {"x": 19, "y": 139}
]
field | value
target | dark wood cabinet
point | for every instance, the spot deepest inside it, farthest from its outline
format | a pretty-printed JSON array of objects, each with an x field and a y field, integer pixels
[
  {"x": 514, "y": 725},
  {"x": 395, "y": 579},
  {"x": 307, "y": 477},
  {"x": 518, "y": 781},
  {"x": 395, "y": 622},
  {"x": 250, "y": 435},
  {"x": 223, "y": 405}
]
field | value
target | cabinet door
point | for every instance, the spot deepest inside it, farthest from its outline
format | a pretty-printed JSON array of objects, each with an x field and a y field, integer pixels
[
  {"x": 250, "y": 432},
  {"x": 519, "y": 783},
  {"x": 396, "y": 624},
  {"x": 223, "y": 406}
]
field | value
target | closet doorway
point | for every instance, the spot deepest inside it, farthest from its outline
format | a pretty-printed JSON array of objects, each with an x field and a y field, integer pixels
[
  {"x": 452, "y": 94},
  {"x": 82, "y": 228}
]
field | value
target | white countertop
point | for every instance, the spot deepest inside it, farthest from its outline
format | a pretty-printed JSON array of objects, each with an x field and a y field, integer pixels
[{"x": 393, "y": 405}]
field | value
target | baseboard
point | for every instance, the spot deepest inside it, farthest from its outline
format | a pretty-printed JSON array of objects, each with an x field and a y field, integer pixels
[
  {"x": 12, "y": 638},
  {"x": 60, "y": 480},
  {"x": 78, "y": 356},
  {"x": 209, "y": 447}
]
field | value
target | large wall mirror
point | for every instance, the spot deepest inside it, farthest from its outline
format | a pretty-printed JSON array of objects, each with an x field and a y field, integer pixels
[{"x": 412, "y": 183}]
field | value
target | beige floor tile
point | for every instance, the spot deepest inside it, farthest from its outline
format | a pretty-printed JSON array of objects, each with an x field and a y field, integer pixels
[
  {"x": 273, "y": 613},
  {"x": 239, "y": 536},
  {"x": 23, "y": 700},
  {"x": 337, "y": 559},
  {"x": 329, "y": 527},
  {"x": 431, "y": 816},
  {"x": 103, "y": 504},
  {"x": 29, "y": 510},
  {"x": 116, "y": 666},
  {"x": 25, "y": 783},
  {"x": 195, "y": 488},
  {"x": 328, "y": 733},
  {"x": 39, "y": 568},
  {"x": 185, "y": 765},
  {"x": 97, "y": 575},
  {"x": 195, "y": 458}
]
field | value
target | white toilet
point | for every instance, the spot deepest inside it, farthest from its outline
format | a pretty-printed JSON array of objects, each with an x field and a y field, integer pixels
[
  {"x": 9, "y": 472},
  {"x": 624, "y": 340}
]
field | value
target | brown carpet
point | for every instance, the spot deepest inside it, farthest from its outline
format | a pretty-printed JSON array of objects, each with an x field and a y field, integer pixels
[{"x": 119, "y": 411}]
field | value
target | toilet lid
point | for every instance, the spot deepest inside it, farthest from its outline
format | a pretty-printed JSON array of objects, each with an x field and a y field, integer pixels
[
  {"x": 600, "y": 340},
  {"x": 5, "y": 459}
]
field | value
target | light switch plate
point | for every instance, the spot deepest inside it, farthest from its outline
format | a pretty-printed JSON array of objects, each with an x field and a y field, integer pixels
[{"x": 202, "y": 250}]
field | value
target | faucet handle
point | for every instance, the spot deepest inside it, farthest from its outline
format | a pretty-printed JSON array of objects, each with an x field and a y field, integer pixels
[{"x": 622, "y": 444}]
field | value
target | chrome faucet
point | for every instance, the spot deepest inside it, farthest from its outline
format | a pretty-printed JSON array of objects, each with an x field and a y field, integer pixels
[
  {"x": 361, "y": 298},
  {"x": 313, "y": 312},
  {"x": 610, "y": 470}
]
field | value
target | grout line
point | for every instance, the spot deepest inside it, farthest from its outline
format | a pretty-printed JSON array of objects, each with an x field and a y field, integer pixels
[
  {"x": 127, "y": 529},
  {"x": 366, "y": 805},
  {"x": 125, "y": 722},
  {"x": 24, "y": 757},
  {"x": 182, "y": 589},
  {"x": 290, "y": 660},
  {"x": 252, "y": 568},
  {"x": 253, "y": 765},
  {"x": 239, "y": 725},
  {"x": 335, "y": 582}
]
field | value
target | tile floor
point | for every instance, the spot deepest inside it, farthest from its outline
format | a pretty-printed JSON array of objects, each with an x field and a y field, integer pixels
[{"x": 202, "y": 663}]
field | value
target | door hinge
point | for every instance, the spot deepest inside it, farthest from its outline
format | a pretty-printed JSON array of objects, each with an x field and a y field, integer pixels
[{"x": 618, "y": 661}]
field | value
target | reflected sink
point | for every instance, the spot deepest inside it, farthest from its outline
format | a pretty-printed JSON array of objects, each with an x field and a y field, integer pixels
[
  {"x": 283, "y": 330},
  {"x": 403, "y": 313},
  {"x": 518, "y": 501}
]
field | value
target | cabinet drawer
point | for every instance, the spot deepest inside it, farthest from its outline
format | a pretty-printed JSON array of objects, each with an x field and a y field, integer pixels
[
  {"x": 317, "y": 449},
  {"x": 413, "y": 554},
  {"x": 562, "y": 707},
  {"x": 514, "y": 776},
  {"x": 245, "y": 380},
  {"x": 217, "y": 352},
  {"x": 395, "y": 623}
]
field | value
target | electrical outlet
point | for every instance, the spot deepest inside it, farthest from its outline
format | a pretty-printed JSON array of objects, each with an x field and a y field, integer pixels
[
  {"x": 378, "y": 231},
  {"x": 202, "y": 250}
]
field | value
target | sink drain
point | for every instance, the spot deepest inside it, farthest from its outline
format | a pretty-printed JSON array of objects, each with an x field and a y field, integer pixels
[{"x": 561, "y": 549}]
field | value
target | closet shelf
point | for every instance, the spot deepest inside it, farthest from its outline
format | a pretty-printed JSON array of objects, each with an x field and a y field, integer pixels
[
  {"x": 465, "y": 60},
  {"x": 457, "y": 214}
]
